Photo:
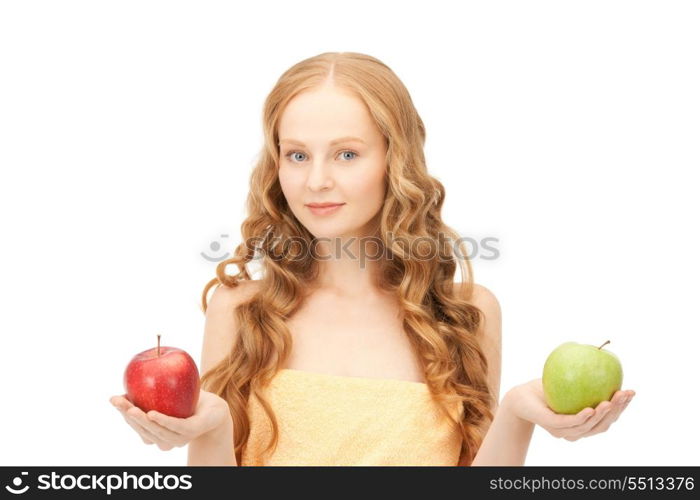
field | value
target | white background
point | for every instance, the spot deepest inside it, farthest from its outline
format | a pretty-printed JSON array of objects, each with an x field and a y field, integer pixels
[{"x": 567, "y": 130}]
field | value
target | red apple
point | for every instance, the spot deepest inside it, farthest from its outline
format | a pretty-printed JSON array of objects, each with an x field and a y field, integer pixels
[{"x": 164, "y": 379}]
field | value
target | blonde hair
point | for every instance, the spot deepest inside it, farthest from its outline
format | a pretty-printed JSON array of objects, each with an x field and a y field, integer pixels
[{"x": 440, "y": 322}]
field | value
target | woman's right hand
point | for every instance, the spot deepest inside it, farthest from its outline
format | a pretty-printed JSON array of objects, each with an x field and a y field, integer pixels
[{"x": 168, "y": 432}]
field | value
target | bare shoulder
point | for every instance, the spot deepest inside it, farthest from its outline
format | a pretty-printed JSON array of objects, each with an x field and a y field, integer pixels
[
  {"x": 481, "y": 297},
  {"x": 227, "y": 296},
  {"x": 486, "y": 300},
  {"x": 220, "y": 328}
]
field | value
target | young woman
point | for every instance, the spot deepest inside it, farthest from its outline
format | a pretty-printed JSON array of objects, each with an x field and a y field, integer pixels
[{"x": 356, "y": 346}]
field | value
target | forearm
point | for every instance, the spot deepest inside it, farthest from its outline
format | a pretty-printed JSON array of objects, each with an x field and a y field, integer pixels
[
  {"x": 508, "y": 438},
  {"x": 213, "y": 448}
]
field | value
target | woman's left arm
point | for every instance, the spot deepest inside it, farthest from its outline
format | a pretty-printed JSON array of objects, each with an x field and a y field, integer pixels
[
  {"x": 507, "y": 439},
  {"x": 524, "y": 406},
  {"x": 508, "y": 436}
]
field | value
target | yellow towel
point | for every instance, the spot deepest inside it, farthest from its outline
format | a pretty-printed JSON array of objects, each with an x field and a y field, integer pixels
[{"x": 341, "y": 420}]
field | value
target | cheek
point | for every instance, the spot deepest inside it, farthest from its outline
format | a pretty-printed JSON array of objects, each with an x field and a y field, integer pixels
[
  {"x": 288, "y": 182},
  {"x": 367, "y": 188}
]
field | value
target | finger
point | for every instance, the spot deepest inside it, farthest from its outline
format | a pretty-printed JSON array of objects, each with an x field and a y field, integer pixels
[
  {"x": 608, "y": 409},
  {"x": 602, "y": 411},
  {"x": 573, "y": 432},
  {"x": 154, "y": 428},
  {"x": 146, "y": 436},
  {"x": 564, "y": 421},
  {"x": 176, "y": 425},
  {"x": 615, "y": 411},
  {"x": 139, "y": 430},
  {"x": 163, "y": 445},
  {"x": 121, "y": 403}
]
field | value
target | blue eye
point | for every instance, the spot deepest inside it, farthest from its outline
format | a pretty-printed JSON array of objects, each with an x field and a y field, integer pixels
[
  {"x": 288, "y": 155},
  {"x": 292, "y": 153},
  {"x": 352, "y": 153}
]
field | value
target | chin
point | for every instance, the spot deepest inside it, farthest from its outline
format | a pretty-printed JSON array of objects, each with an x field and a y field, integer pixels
[
  {"x": 327, "y": 229},
  {"x": 326, "y": 235},
  {"x": 334, "y": 228}
]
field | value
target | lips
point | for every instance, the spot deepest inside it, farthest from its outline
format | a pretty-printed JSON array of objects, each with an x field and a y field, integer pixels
[
  {"x": 323, "y": 205},
  {"x": 324, "y": 209}
]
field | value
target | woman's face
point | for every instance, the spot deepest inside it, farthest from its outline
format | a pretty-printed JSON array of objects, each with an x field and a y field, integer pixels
[{"x": 314, "y": 168}]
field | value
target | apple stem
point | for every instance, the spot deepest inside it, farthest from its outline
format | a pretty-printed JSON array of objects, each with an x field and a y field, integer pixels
[
  {"x": 607, "y": 342},
  {"x": 158, "y": 348}
]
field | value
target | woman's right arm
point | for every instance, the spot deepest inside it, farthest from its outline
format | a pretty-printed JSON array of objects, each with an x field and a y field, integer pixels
[{"x": 216, "y": 446}]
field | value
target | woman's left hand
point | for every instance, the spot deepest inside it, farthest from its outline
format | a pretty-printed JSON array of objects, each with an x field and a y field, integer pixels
[{"x": 528, "y": 403}]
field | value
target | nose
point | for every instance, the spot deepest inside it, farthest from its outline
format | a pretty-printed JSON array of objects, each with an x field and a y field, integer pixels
[{"x": 320, "y": 177}]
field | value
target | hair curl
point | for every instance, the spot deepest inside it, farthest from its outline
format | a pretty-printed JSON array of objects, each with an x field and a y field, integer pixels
[{"x": 440, "y": 322}]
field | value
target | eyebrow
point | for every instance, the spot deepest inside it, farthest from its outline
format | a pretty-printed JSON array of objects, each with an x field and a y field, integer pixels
[{"x": 336, "y": 141}]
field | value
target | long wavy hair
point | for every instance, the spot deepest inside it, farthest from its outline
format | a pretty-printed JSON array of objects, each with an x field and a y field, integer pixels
[{"x": 438, "y": 318}]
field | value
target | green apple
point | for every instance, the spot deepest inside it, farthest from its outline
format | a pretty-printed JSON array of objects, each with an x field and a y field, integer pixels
[{"x": 577, "y": 376}]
